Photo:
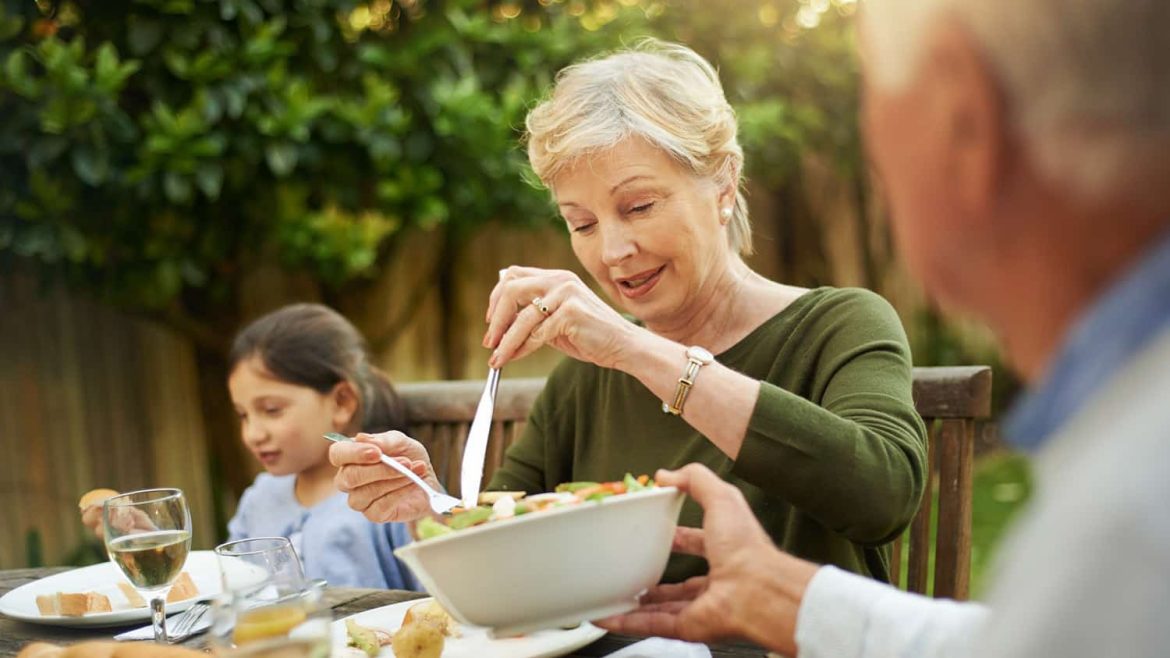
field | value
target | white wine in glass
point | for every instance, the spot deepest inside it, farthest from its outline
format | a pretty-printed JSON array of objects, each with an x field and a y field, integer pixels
[{"x": 148, "y": 535}]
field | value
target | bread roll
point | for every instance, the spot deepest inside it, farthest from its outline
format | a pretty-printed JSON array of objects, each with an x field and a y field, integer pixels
[
  {"x": 107, "y": 650},
  {"x": 430, "y": 612},
  {"x": 95, "y": 497},
  {"x": 40, "y": 650},
  {"x": 418, "y": 640}
]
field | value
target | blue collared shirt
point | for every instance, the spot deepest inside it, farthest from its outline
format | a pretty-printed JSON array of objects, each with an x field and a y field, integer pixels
[{"x": 1133, "y": 310}]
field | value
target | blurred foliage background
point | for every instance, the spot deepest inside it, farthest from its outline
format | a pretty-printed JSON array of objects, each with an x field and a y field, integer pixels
[
  {"x": 152, "y": 148},
  {"x": 156, "y": 154}
]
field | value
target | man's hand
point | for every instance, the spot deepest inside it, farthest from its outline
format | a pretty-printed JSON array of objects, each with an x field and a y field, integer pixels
[{"x": 752, "y": 591}]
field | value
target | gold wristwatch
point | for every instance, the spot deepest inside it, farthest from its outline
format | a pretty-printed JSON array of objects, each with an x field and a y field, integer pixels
[{"x": 697, "y": 357}]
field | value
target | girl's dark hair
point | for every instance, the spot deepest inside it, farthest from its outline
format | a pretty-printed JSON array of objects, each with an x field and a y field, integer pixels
[{"x": 313, "y": 345}]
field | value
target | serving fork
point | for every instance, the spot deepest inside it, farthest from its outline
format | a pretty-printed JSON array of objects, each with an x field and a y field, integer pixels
[
  {"x": 440, "y": 502},
  {"x": 471, "y": 470}
]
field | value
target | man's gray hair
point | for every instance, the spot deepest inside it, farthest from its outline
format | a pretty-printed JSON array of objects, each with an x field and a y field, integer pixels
[{"x": 1087, "y": 82}]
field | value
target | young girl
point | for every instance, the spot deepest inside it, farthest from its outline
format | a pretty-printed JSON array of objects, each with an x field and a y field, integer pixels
[{"x": 295, "y": 374}]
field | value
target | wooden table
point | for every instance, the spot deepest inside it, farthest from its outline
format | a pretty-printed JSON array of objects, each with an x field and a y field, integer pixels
[{"x": 344, "y": 600}]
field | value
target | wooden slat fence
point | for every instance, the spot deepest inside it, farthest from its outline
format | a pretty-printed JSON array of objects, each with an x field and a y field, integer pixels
[{"x": 89, "y": 398}]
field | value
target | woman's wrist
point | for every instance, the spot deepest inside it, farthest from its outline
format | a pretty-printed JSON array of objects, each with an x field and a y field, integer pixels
[{"x": 645, "y": 354}]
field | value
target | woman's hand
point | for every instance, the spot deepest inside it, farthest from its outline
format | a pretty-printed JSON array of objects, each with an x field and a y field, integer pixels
[
  {"x": 752, "y": 590},
  {"x": 377, "y": 491},
  {"x": 531, "y": 307}
]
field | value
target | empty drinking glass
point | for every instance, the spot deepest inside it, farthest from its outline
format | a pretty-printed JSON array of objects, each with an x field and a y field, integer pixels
[{"x": 267, "y": 608}]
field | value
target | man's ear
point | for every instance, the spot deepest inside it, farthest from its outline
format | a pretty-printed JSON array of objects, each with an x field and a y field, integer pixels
[
  {"x": 974, "y": 120},
  {"x": 345, "y": 405}
]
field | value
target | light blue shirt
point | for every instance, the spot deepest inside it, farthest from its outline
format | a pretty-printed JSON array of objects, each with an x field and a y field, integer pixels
[
  {"x": 1132, "y": 311},
  {"x": 333, "y": 541}
]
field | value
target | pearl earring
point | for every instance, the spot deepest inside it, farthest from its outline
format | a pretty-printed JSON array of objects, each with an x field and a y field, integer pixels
[{"x": 726, "y": 212}]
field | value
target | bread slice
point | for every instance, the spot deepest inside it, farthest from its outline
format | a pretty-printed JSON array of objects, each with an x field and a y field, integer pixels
[
  {"x": 95, "y": 602},
  {"x": 47, "y": 605},
  {"x": 73, "y": 604},
  {"x": 132, "y": 596},
  {"x": 184, "y": 588}
]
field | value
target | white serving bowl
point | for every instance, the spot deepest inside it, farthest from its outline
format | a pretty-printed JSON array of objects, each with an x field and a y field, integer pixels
[{"x": 553, "y": 568}]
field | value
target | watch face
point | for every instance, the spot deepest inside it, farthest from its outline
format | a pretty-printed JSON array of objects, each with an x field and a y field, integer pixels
[{"x": 699, "y": 354}]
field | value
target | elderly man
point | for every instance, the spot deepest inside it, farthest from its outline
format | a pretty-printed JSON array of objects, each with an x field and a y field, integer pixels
[{"x": 1025, "y": 149}]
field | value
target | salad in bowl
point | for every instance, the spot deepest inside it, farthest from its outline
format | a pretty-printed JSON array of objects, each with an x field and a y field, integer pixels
[{"x": 520, "y": 563}]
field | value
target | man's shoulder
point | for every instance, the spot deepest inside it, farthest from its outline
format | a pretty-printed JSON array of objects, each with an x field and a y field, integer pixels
[
  {"x": 1094, "y": 545},
  {"x": 1116, "y": 451},
  {"x": 1133, "y": 403}
]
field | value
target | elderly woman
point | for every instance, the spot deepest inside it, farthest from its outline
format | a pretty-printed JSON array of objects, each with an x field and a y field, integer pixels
[{"x": 800, "y": 398}]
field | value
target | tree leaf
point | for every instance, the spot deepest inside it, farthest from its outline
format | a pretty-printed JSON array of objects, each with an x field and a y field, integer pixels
[
  {"x": 177, "y": 187},
  {"x": 16, "y": 75},
  {"x": 143, "y": 34},
  {"x": 106, "y": 65},
  {"x": 10, "y": 26},
  {"x": 209, "y": 177},
  {"x": 282, "y": 157},
  {"x": 90, "y": 164},
  {"x": 45, "y": 149}
]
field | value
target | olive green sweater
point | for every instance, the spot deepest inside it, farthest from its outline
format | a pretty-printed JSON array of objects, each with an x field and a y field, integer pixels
[{"x": 833, "y": 463}]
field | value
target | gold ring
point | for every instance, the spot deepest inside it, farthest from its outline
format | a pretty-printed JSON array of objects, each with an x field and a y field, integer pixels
[{"x": 540, "y": 305}]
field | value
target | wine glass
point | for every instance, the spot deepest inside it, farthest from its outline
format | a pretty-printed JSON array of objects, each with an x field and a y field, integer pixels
[
  {"x": 267, "y": 608},
  {"x": 148, "y": 535}
]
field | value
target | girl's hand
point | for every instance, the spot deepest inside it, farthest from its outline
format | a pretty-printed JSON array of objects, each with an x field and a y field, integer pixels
[
  {"x": 377, "y": 491},
  {"x": 577, "y": 322},
  {"x": 91, "y": 517}
]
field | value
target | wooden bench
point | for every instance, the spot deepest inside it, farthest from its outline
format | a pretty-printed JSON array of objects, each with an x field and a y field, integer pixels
[{"x": 950, "y": 400}]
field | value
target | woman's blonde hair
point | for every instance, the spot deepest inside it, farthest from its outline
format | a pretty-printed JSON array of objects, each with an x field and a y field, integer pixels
[{"x": 661, "y": 92}]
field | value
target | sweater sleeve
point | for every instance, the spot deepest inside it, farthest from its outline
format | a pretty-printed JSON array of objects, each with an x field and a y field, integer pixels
[{"x": 853, "y": 456}]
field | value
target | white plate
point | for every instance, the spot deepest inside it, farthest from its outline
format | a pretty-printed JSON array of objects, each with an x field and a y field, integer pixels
[
  {"x": 21, "y": 603},
  {"x": 474, "y": 642}
]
